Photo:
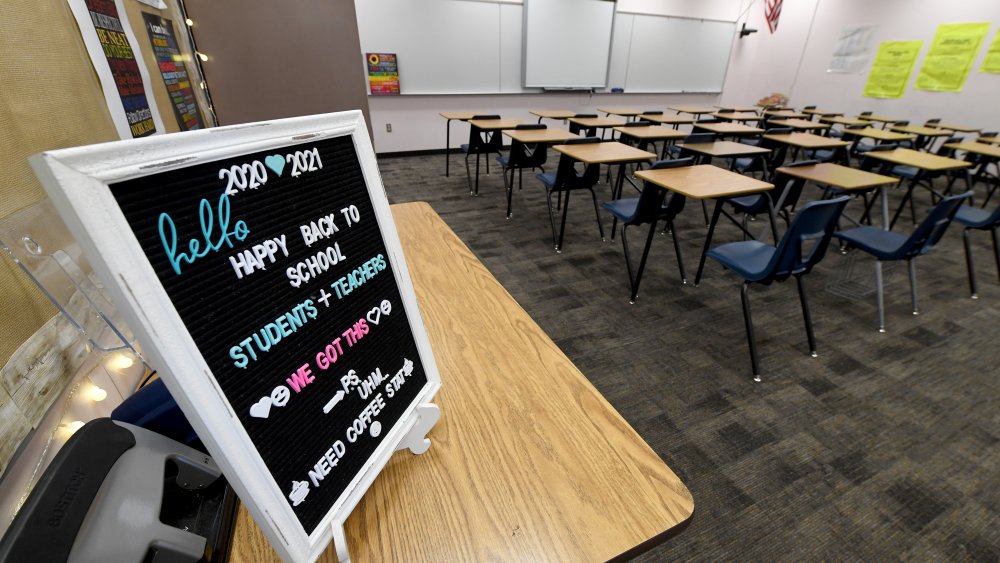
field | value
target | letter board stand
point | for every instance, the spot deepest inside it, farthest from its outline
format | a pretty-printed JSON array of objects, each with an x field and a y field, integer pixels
[{"x": 260, "y": 267}]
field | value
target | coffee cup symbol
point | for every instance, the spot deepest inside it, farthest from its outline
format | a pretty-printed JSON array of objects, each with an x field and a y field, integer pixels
[{"x": 299, "y": 491}]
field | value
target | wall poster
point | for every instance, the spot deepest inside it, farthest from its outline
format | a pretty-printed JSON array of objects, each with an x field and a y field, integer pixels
[
  {"x": 113, "y": 51},
  {"x": 991, "y": 63},
  {"x": 892, "y": 68},
  {"x": 173, "y": 70},
  {"x": 261, "y": 270},
  {"x": 950, "y": 56},
  {"x": 854, "y": 48},
  {"x": 383, "y": 74}
]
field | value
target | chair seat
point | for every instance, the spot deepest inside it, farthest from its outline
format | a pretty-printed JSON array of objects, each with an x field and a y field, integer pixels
[
  {"x": 744, "y": 163},
  {"x": 548, "y": 178},
  {"x": 909, "y": 172},
  {"x": 503, "y": 160},
  {"x": 464, "y": 147},
  {"x": 748, "y": 203},
  {"x": 863, "y": 148},
  {"x": 748, "y": 259},
  {"x": 823, "y": 155},
  {"x": 973, "y": 217},
  {"x": 621, "y": 208},
  {"x": 881, "y": 244}
]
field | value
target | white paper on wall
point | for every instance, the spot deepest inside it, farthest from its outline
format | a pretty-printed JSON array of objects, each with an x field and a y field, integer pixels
[{"x": 854, "y": 49}]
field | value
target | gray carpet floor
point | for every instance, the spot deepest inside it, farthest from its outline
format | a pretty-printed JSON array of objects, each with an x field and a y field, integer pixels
[{"x": 885, "y": 447}]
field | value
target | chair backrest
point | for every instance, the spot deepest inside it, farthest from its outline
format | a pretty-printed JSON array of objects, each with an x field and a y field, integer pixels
[
  {"x": 576, "y": 129},
  {"x": 806, "y": 240},
  {"x": 700, "y": 138},
  {"x": 789, "y": 186},
  {"x": 900, "y": 123},
  {"x": 675, "y": 204},
  {"x": 809, "y": 107},
  {"x": 527, "y": 155},
  {"x": 869, "y": 164},
  {"x": 566, "y": 174},
  {"x": 652, "y": 112},
  {"x": 638, "y": 124},
  {"x": 865, "y": 113},
  {"x": 726, "y": 110},
  {"x": 933, "y": 120},
  {"x": 932, "y": 228},
  {"x": 945, "y": 151},
  {"x": 524, "y": 126},
  {"x": 710, "y": 120},
  {"x": 989, "y": 134}
]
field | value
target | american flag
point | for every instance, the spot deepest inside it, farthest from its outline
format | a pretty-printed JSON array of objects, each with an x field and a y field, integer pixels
[{"x": 772, "y": 10}]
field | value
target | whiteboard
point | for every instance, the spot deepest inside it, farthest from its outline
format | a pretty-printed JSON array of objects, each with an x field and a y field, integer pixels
[
  {"x": 567, "y": 43},
  {"x": 668, "y": 54}
]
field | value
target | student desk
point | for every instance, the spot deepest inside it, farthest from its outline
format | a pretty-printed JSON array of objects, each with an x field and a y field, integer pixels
[
  {"x": 707, "y": 182},
  {"x": 651, "y": 133},
  {"x": 925, "y": 135},
  {"x": 821, "y": 113},
  {"x": 925, "y": 163},
  {"x": 609, "y": 152},
  {"x": 879, "y": 119},
  {"x": 880, "y": 135},
  {"x": 596, "y": 122},
  {"x": 738, "y": 109},
  {"x": 841, "y": 120},
  {"x": 528, "y": 462},
  {"x": 990, "y": 152},
  {"x": 845, "y": 178},
  {"x": 784, "y": 114},
  {"x": 562, "y": 114},
  {"x": 449, "y": 116},
  {"x": 801, "y": 124},
  {"x": 807, "y": 141},
  {"x": 490, "y": 125},
  {"x": 627, "y": 113},
  {"x": 674, "y": 120},
  {"x": 737, "y": 116},
  {"x": 953, "y": 127},
  {"x": 693, "y": 110},
  {"x": 990, "y": 140},
  {"x": 545, "y": 136},
  {"x": 730, "y": 129},
  {"x": 723, "y": 149}
]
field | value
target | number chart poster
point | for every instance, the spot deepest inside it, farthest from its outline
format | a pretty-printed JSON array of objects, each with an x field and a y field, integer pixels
[
  {"x": 112, "y": 47},
  {"x": 383, "y": 74},
  {"x": 175, "y": 75},
  {"x": 277, "y": 267}
]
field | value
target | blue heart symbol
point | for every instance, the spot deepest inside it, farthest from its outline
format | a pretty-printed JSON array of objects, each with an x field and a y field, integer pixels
[{"x": 275, "y": 162}]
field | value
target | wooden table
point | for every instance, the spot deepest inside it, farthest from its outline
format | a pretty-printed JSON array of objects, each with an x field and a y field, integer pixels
[
  {"x": 821, "y": 112},
  {"x": 522, "y": 467},
  {"x": 807, "y": 141},
  {"x": 624, "y": 112},
  {"x": 784, "y": 114},
  {"x": 954, "y": 127},
  {"x": 674, "y": 120},
  {"x": 611, "y": 152},
  {"x": 706, "y": 182},
  {"x": 693, "y": 110},
  {"x": 841, "y": 120},
  {"x": 880, "y": 119},
  {"x": 737, "y": 116},
  {"x": 991, "y": 154},
  {"x": 651, "y": 133},
  {"x": 925, "y": 163},
  {"x": 739, "y": 109},
  {"x": 596, "y": 122},
  {"x": 449, "y": 116},
  {"x": 925, "y": 135},
  {"x": 795, "y": 123},
  {"x": 552, "y": 114},
  {"x": 845, "y": 178},
  {"x": 723, "y": 149},
  {"x": 729, "y": 128},
  {"x": 991, "y": 140},
  {"x": 490, "y": 125},
  {"x": 877, "y": 134}
]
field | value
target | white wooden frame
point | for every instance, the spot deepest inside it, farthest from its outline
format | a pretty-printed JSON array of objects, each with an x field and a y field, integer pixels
[{"x": 77, "y": 181}]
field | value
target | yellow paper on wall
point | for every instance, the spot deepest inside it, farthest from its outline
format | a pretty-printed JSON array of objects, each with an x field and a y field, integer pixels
[
  {"x": 950, "y": 56},
  {"x": 892, "y": 68},
  {"x": 992, "y": 61}
]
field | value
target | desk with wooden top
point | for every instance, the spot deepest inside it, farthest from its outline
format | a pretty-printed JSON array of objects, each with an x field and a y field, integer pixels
[
  {"x": 707, "y": 182},
  {"x": 953, "y": 127},
  {"x": 784, "y": 114},
  {"x": 521, "y": 467},
  {"x": 821, "y": 113},
  {"x": 722, "y": 149},
  {"x": 729, "y": 129},
  {"x": 449, "y": 116},
  {"x": 627, "y": 113},
  {"x": 847, "y": 179},
  {"x": 990, "y": 154},
  {"x": 562, "y": 114},
  {"x": 993, "y": 140},
  {"x": 841, "y": 120},
  {"x": 925, "y": 163},
  {"x": 925, "y": 135},
  {"x": 693, "y": 110},
  {"x": 609, "y": 152},
  {"x": 490, "y": 126},
  {"x": 742, "y": 116},
  {"x": 880, "y": 135},
  {"x": 737, "y": 109},
  {"x": 674, "y": 120},
  {"x": 643, "y": 135},
  {"x": 596, "y": 122},
  {"x": 808, "y": 141},
  {"x": 547, "y": 136},
  {"x": 880, "y": 119},
  {"x": 800, "y": 124}
]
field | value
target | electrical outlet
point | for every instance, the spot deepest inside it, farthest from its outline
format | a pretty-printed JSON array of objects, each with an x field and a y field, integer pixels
[{"x": 388, "y": 127}]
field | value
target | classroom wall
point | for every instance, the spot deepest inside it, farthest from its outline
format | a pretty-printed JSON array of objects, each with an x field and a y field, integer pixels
[{"x": 792, "y": 61}]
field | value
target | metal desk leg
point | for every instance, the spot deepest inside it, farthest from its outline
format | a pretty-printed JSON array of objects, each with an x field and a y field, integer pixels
[
  {"x": 562, "y": 227},
  {"x": 447, "y": 147},
  {"x": 771, "y": 216},
  {"x": 642, "y": 262},
  {"x": 708, "y": 240}
]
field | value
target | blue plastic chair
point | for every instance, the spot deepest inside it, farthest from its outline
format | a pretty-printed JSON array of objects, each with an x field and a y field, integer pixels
[
  {"x": 974, "y": 218},
  {"x": 764, "y": 163},
  {"x": 480, "y": 142},
  {"x": 693, "y": 138},
  {"x": 567, "y": 179},
  {"x": 521, "y": 156},
  {"x": 802, "y": 247},
  {"x": 888, "y": 246},
  {"x": 649, "y": 207}
]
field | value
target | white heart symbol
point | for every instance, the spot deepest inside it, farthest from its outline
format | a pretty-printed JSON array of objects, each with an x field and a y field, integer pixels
[
  {"x": 261, "y": 408},
  {"x": 378, "y": 315}
]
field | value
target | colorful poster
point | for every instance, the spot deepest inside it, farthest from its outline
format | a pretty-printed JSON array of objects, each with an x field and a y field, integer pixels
[
  {"x": 892, "y": 68},
  {"x": 383, "y": 74},
  {"x": 950, "y": 56},
  {"x": 112, "y": 47},
  {"x": 175, "y": 74},
  {"x": 991, "y": 63}
]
